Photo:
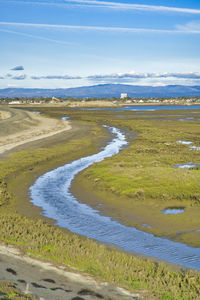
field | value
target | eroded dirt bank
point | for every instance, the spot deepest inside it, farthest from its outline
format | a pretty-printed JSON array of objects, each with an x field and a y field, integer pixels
[{"x": 19, "y": 127}]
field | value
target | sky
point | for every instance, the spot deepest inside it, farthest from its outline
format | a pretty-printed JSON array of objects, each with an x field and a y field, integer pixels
[{"x": 69, "y": 43}]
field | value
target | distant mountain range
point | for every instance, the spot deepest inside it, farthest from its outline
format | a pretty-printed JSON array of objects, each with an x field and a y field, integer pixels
[{"x": 105, "y": 91}]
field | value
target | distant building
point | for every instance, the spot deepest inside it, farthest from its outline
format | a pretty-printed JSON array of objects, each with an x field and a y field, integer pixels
[{"x": 123, "y": 95}]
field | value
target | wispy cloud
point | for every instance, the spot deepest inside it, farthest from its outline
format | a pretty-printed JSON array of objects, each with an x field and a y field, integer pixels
[
  {"x": 127, "y": 6},
  {"x": 132, "y": 78},
  {"x": 19, "y": 77},
  {"x": 190, "y": 26},
  {"x": 150, "y": 79},
  {"x": 126, "y": 77},
  {"x": 42, "y": 3},
  {"x": 131, "y": 74},
  {"x": 18, "y": 68},
  {"x": 63, "y": 77},
  {"x": 141, "y": 75},
  {"x": 113, "y": 76},
  {"x": 97, "y": 28},
  {"x": 113, "y": 5},
  {"x": 35, "y": 36},
  {"x": 12, "y": 85},
  {"x": 186, "y": 75}
]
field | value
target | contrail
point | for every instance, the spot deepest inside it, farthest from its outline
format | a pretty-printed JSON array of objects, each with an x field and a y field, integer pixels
[
  {"x": 38, "y": 37},
  {"x": 101, "y": 28},
  {"x": 113, "y": 5}
]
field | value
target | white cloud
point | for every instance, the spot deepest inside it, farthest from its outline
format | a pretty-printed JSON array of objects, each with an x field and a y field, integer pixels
[
  {"x": 128, "y": 6},
  {"x": 132, "y": 78},
  {"x": 8, "y": 75},
  {"x": 12, "y": 85},
  {"x": 99, "y": 28},
  {"x": 63, "y": 77},
  {"x": 190, "y": 26},
  {"x": 18, "y": 68},
  {"x": 137, "y": 75},
  {"x": 124, "y": 76},
  {"x": 112, "y": 5},
  {"x": 19, "y": 77},
  {"x": 131, "y": 74}
]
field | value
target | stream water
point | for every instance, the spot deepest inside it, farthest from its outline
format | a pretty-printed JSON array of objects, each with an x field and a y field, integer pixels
[{"x": 52, "y": 193}]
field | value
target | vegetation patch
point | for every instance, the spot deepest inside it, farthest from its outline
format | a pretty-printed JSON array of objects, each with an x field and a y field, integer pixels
[
  {"x": 8, "y": 290},
  {"x": 37, "y": 237}
]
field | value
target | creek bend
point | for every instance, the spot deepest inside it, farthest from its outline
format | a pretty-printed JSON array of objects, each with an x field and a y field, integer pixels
[{"x": 52, "y": 193}]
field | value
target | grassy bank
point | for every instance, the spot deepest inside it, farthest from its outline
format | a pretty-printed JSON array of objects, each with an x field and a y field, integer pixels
[
  {"x": 21, "y": 225},
  {"x": 141, "y": 181}
]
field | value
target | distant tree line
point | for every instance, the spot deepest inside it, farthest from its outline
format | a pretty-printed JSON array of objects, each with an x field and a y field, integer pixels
[{"x": 29, "y": 100}]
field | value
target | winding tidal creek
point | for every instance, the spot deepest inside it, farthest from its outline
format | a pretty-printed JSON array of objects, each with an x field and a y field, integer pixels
[{"x": 52, "y": 193}]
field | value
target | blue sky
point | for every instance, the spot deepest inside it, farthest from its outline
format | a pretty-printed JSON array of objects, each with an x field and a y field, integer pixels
[{"x": 67, "y": 43}]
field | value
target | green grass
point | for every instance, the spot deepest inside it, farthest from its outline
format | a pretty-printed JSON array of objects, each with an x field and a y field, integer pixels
[
  {"x": 37, "y": 237},
  {"x": 10, "y": 291},
  {"x": 42, "y": 240},
  {"x": 141, "y": 180},
  {"x": 148, "y": 164}
]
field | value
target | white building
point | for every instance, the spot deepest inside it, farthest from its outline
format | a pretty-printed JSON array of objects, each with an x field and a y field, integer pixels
[
  {"x": 123, "y": 95},
  {"x": 14, "y": 102},
  {"x": 54, "y": 99}
]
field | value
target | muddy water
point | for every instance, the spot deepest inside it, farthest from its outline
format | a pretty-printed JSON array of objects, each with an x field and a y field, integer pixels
[{"x": 52, "y": 192}]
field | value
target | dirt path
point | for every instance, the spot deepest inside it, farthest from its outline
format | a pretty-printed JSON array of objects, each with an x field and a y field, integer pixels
[{"x": 49, "y": 282}]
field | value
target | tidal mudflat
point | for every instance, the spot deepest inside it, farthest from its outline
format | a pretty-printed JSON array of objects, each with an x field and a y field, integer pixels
[{"x": 132, "y": 188}]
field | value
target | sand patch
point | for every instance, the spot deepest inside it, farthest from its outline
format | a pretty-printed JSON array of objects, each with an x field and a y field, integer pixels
[
  {"x": 4, "y": 115},
  {"x": 23, "y": 127}
]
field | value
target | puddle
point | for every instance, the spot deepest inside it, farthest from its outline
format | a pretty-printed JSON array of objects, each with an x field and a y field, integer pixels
[
  {"x": 146, "y": 225},
  {"x": 194, "y": 148},
  {"x": 184, "y": 142},
  {"x": 64, "y": 118},
  {"x": 187, "y": 166},
  {"x": 173, "y": 210},
  {"x": 189, "y": 143}
]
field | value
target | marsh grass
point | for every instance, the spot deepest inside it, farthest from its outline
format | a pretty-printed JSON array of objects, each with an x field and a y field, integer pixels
[
  {"x": 40, "y": 239},
  {"x": 143, "y": 175},
  {"x": 43, "y": 240},
  {"x": 8, "y": 290}
]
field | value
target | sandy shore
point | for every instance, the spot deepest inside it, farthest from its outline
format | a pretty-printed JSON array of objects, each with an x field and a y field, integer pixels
[{"x": 19, "y": 127}]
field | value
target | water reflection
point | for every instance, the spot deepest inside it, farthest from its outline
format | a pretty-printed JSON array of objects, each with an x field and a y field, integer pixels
[{"x": 173, "y": 210}]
